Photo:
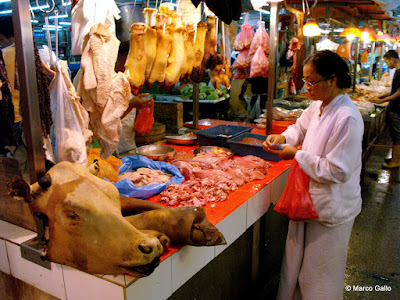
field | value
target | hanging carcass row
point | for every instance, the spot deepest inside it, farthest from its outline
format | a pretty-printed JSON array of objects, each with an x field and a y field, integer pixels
[{"x": 85, "y": 228}]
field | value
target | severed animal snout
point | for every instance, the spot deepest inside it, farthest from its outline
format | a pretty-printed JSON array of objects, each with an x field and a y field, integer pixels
[{"x": 152, "y": 245}]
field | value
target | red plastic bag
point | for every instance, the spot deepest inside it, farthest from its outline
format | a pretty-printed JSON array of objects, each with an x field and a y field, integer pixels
[
  {"x": 145, "y": 120},
  {"x": 243, "y": 60},
  {"x": 295, "y": 201},
  {"x": 261, "y": 38},
  {"x": 244, "y": 38}
]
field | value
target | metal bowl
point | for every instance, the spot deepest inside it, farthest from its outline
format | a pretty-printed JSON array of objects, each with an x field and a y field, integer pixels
[
  {"x": 212, "y": 148},
  {"x": 181, "y": 140},
  {"x": 155, "y": 151}
]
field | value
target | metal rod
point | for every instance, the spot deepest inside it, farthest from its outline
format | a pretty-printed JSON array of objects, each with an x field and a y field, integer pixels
[
  {"x": 273, "y": 42},
  {"x": 355, "y": 64},
  {"x": 196, "y": 94},
  {"x": 28, "y": 88},
  {"x": 371, "y": 63},
  {"x": 381, "y": 62}
]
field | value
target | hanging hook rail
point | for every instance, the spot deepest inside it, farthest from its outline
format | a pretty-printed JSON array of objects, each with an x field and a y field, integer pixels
[{"x": 46, "y": 11}]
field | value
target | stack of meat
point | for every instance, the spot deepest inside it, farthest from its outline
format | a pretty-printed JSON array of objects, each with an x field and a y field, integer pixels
[
  {"x": 211, "y": 178},
  {"x": 164, "y": 49},
  {"x": 254, "y": 49}
]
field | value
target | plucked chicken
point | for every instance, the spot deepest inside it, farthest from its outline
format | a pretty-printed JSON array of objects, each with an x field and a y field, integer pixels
[
  {"x": 176, "y": 57},
  {"x": 150, "y": 39},
  {"x": 198, "y": 71},
  {"x": 164, "y": 41},
  {"x": 136, "y": 61}
]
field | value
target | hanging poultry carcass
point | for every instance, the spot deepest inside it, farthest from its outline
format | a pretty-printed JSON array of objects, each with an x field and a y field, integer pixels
[{"x": 135, "y": 64}]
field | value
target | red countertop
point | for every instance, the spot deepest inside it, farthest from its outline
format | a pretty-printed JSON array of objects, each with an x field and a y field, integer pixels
[{"x": 222, "y": 209}]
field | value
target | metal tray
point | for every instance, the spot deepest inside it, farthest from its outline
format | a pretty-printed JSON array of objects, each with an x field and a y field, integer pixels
[
  {"x": 181, "y": 140},
  {"x": 154, "y": 151}
]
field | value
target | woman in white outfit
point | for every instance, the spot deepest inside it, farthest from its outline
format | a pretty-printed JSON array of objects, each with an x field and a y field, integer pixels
[{"x": 330, "y": 132}]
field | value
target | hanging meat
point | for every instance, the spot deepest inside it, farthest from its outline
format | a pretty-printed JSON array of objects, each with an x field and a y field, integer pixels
[
  {"x": 198, "y": 71},
  {"x": 210, "y": 41},
  {"x": 177, "y": 55},
  {"x": 298, "y": 48},
  {"x": 164, "y": 41},
  {"x": 136, "y": 61},
  {"x": 189, "y": 49},
  {"x": 243, "y": 60},
  {"x": 105, "y": 94},
  {"x": 150, "y": 40}
]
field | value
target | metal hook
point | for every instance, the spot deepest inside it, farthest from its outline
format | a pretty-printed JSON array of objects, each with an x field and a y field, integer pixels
[{"x": 46, "y": 11}]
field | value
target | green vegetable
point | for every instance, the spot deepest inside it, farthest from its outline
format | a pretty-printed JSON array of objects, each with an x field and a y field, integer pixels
[{"x": 212, "y": 96}]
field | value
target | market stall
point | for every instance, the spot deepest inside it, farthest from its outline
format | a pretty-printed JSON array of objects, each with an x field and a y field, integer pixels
[{"x": 180, "y": 54}]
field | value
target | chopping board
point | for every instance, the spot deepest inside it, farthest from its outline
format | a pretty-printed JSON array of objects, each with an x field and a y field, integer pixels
[{"x": 156, "y": 134}]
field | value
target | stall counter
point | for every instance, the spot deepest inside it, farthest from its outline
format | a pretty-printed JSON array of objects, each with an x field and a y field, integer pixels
[{"x": 232, "y": 217}]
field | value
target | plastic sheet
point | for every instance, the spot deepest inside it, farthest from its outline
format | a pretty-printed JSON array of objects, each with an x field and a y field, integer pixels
[{"x": 132, "y": 163}]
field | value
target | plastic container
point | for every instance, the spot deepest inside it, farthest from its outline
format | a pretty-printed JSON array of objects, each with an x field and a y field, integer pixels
[
  {"x": 218, "y": 135},
  {"x": 243, "y": 149}
]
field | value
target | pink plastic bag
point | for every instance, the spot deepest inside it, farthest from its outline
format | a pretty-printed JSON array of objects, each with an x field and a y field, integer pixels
[
  {"x": 261, "y": 38},
  {"x": 145, "y": 120},
  {"x": 244, "y": 38},
  {"x": 259, "y": 64},
  {"x": 295, "y": 201}
]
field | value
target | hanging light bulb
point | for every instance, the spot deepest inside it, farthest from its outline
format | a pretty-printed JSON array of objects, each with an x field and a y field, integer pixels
[
  {"x": 368, "y": 34},
  {"x": 311, "y": 28}
]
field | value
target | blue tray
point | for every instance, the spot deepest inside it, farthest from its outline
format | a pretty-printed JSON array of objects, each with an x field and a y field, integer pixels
[
  {"x": 243, "y": 149},
  {"x": 218, "y": 135}
]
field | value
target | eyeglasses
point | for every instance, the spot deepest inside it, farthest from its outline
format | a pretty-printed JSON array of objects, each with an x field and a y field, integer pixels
[{"x": 311, "y": 84}]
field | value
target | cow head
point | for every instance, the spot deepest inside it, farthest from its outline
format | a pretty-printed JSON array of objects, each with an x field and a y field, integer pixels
[{"x": 85, "y": 227}]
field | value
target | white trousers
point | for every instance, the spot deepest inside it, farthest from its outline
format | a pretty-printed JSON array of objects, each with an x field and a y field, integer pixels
[{"x": 314, "y": 261}]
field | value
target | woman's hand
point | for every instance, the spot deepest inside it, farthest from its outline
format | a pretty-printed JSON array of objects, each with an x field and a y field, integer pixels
[
  {"x": 274, "y": 139},
  {"x": 288, "y": 152}
]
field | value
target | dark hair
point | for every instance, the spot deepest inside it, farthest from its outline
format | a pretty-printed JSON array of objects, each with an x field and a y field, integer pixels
[
  {"x": 328, "y": 63},
  {"x": 391, "y": 54},
  {"x": 6, "y": 26}
]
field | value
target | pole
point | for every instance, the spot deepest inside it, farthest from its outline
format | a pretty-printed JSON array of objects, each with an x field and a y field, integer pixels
[
  {"x": 28, "y": 88},
  {"x": 371, "y": 63},
  {"x": 196, "y": 94},
  {"x": 273, "y": 41},
  {"x": 355, "y": 63},
  {"x": 381, "y": 62}
]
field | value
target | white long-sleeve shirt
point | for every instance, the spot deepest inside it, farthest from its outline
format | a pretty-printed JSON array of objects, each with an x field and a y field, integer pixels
[{"x": 331, "y": 157}]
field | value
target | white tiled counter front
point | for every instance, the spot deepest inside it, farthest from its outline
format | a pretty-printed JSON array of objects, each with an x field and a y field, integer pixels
[{"x": 64, "y": 282}]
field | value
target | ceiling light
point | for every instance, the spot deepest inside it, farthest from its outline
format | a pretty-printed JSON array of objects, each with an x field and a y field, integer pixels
[
  {"x": 58, "y": 16},
  {"x": 311, "y": 28},
  {"x": 351, "y": 33}
]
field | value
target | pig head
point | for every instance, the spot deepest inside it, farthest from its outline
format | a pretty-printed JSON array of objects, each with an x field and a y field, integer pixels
[{"x": 85, "y": 227}]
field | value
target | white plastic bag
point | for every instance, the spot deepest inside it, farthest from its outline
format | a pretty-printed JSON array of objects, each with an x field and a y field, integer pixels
[{"x": 66, "y": 135}]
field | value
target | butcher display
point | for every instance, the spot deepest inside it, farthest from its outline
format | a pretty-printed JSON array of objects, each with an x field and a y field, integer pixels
[
  {"x": 84, "y": 225},
  {"x": 135, "y": 64},
  {"x": 211, "y": 177}
]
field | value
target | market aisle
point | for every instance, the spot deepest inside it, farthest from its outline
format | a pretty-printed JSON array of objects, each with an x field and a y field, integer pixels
[{"x": 374, "y": 250}]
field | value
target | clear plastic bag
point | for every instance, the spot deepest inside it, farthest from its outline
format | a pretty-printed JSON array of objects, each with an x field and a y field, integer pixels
[
  {"x": 243, "y": 60},
  {"x": 66, "y": 136},
  {"x": 244, "y": 38},
  {"x": 259, "y": 64},
  {"x": 145, "y": 120},
  {"x": 261, "y": 38},
  {"x": 295, "y": 201}
]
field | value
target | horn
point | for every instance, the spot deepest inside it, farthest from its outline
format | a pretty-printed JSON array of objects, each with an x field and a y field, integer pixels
[{"x": 45, "y": 181}]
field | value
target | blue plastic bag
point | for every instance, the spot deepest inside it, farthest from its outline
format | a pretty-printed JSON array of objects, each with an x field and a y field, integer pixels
[{"x": 132, "y": 163}]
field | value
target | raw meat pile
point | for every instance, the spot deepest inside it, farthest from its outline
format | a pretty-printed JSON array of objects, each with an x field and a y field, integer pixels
[
  {"x": 145, "y": 176},
  {"x": 211, "y": 178}
]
